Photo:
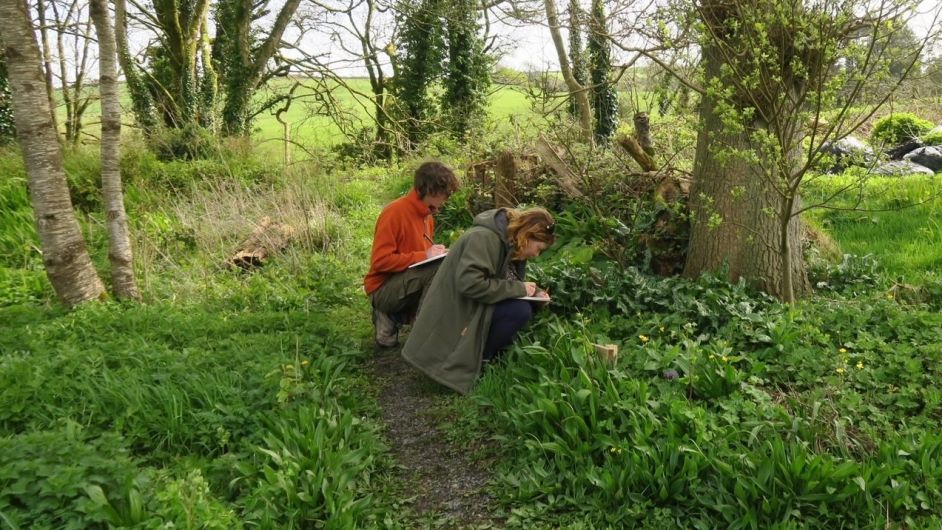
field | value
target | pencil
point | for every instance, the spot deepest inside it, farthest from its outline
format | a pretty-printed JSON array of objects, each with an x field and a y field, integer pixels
[{"x": 429, "y": 239}]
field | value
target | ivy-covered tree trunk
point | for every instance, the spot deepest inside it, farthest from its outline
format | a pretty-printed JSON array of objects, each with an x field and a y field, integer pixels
[
  {"x": 7, "y": 127},
  {"x": 242, "y": 60},
  {"x": 423, "y": 42},
  {"x": 65, "y": 255},
  {"x": 604, "y": 96},
  {"x": 580, "y": 69},
  {"x": 467, "y": 77},
  {"x": 209, "y": 81},
  {"x": 116, "y": 219},
  {"x": 141, "y": 101}
]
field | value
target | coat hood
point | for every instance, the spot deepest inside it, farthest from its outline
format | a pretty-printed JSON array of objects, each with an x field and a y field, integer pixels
[{"x": 494, "y": 220}]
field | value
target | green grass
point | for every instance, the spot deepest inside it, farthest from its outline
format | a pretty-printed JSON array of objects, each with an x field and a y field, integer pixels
[{"x": 899, "y": 221}]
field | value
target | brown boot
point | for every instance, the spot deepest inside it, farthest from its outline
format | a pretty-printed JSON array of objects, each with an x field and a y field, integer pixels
[{"x": 386, "y": 330}]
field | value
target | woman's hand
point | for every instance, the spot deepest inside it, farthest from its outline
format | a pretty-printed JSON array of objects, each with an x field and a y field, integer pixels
[{"x": 531, "y": 288}]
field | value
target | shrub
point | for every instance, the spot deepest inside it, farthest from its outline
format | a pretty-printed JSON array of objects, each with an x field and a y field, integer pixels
[
  {"x": 191, "y": 142},
  {"x": 933, "y": 138},
  {"x": 898, "y": 128}
]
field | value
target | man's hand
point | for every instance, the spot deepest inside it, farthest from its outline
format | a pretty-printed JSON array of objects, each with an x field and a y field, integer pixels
[
  {"x": 436, "y": 250},
  {"x": 540, "y": 293}
]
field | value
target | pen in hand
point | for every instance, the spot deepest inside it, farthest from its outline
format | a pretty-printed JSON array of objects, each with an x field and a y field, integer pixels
[{"x": 429, "y": 239}]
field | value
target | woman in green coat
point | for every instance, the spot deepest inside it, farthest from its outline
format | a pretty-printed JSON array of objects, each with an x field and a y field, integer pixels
[{"x": 472, "y": 310}]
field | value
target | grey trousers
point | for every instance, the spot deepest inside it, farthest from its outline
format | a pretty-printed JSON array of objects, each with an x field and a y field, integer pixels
[{"x": 402, "y": 292}]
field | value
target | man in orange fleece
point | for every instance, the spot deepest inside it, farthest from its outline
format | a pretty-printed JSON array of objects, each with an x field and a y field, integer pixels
[{"x": 404, "y": 236}]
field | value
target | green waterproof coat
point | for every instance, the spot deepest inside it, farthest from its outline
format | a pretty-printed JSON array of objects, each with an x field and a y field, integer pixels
[{"x": 447, "y": 340}]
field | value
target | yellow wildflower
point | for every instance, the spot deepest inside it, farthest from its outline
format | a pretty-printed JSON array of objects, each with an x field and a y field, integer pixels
[
  {"x": 305, "y": 362},
  {"x": 840, "y": 370},
  {"x": 644, "y": 338},
  {"x": 712, "y": 356},
  {"x": 860, "y": 366},
  {"x": 842, "y": 350},
  {"x": 662, "y": 329},
  {"x": 724, "y": 358}
]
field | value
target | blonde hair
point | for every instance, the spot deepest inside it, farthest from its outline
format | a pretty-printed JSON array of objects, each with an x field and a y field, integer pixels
[{"x": 534, "y": 224}]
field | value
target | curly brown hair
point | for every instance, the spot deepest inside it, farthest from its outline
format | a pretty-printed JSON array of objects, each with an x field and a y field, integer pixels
[
  {"x": 534, "y": 224},
  {"x": 434, "y": 178}
]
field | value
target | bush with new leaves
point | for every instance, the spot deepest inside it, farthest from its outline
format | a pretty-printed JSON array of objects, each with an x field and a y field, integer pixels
[{"x": 895, "y": 129}]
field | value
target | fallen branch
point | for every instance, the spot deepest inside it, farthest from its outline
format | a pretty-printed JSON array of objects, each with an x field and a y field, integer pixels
[{"x": 267, "y": 239}]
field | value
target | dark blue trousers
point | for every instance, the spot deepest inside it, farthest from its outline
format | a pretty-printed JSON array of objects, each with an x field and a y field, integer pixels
[{"x": 510, "y": 316}]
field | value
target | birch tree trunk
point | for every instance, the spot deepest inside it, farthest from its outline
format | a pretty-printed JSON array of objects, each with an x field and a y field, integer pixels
[
  {"x": 116, "y": 221},
  {"x": 65, "y": 255}
]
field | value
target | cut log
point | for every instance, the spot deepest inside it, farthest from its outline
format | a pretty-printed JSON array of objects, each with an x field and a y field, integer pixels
[
  {"x": 567, "y": 178},
  {"x": 634, "y": 149},
  {"x": 267, "y": 239}
]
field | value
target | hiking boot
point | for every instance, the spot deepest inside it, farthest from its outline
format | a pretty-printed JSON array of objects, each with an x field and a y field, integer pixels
[{"x": 386, "y": 330}]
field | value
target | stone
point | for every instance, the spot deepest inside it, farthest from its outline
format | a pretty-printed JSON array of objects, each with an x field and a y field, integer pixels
[
  {"x": 900, "y": 168},
  {"x": 904, "y": 148},
  {"x": 930, "y": 157},
  {"x": 848, "y": 151}
]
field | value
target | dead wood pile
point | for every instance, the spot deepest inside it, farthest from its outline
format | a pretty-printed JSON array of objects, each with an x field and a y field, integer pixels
[{"x": 267, "y": 239}]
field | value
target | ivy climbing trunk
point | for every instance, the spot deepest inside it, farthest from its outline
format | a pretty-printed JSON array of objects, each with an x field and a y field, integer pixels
[
  {"x": 422, "y": 37},
  {"x": 604, "y": 96},
  {"x": 65, "y": 255},
  {"x": 466, "y": 77},
  {"x": 141, "y": 101},
  {"x": 116, "y": 220},
  {"x": 580, "y": 69},
  {"x": 244, "y": 61}
]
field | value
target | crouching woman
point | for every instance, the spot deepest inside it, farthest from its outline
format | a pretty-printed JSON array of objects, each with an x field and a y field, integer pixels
[{"x": 472, "y": 310}]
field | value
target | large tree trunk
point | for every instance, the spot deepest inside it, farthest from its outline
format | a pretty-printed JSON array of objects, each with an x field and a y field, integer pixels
[
  {"x": 116, "y": 220},
  {"x": 737, "y": 216},
  {"x": 65, "y": 256},
  {"x": 576, "y": 90}
]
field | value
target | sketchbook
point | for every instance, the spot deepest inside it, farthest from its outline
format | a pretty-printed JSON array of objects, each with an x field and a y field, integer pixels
[
  {"x": 428, "y": 260},
  {"x": 534, "y": 298}
]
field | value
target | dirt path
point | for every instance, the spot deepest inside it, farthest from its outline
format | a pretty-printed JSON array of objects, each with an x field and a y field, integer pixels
[{"x": 448, "y": 488}]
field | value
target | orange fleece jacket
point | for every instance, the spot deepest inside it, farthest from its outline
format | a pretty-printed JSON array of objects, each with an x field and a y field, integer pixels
[{"x": 399, "y": 239}]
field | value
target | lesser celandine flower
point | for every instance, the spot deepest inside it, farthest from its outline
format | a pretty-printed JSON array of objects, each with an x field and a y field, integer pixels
[
  {"x": 842, "y": 350},
  {"x": 860, "y": 366},
  {"x": 644, "y": 338},
  {"x": 840, "y": 370}
]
